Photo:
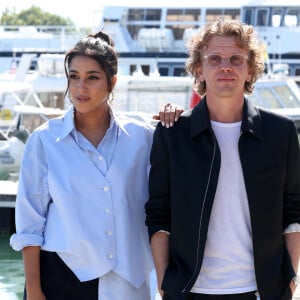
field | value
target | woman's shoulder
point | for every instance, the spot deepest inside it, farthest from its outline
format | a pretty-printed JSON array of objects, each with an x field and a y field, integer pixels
[{"x": 51, "y": 127}]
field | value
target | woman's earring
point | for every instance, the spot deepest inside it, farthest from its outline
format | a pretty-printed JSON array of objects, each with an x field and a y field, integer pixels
[
  {"x": 69, "y": 97},
  {"x": 111, "y": 97}
]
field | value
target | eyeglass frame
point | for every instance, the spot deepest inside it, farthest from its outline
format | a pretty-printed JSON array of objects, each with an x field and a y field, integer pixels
[{"x": 228, "y": 58}]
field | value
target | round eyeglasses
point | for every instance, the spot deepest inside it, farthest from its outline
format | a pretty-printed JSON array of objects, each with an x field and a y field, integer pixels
[{"x": 235, "y": 61}]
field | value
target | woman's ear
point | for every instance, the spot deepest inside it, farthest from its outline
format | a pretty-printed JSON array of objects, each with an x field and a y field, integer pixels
[{"x": 113, "y": 81}]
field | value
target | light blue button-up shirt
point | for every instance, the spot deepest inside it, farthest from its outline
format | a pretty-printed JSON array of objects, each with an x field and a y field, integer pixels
[{"x": 84, "y": 203}]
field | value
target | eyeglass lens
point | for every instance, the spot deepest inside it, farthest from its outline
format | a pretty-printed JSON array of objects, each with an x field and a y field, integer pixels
[{"x": 234, "y": 60}]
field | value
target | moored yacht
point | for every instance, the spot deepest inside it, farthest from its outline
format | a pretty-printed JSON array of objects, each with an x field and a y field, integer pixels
[{"x": 151, "y": 38}]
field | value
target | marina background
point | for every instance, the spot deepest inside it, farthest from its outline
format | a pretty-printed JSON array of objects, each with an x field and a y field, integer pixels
[
  {"x": 89, "y": 13},
  {"x": 138, "y": 93},
  {"x": 12, "y": 276}
]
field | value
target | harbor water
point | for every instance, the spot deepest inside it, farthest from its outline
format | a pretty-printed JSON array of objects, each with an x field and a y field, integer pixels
[
  {"x": 12, "y": 275},
  {"x": 11, "y": 271}
]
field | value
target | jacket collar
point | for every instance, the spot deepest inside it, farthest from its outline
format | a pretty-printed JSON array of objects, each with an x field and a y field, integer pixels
[{"x": 251, "y": 121}]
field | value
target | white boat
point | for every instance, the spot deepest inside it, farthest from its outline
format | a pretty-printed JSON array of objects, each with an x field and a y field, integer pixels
[
  {"x": 152, "y": 38},
  {"x": 278, "y": 25},
  {"x": 136, "y": 92},
  {"x": 137, "y": 96},
  {"x": 281, "y": 95},
  {"x": 156, "y": 36},
  {"x": 21, "y": 111},
  {"x": 17, "y": 40}
]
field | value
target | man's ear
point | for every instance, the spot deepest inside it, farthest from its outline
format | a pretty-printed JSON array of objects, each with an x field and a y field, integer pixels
[
  {"x": 200, "y": 76},
  {"x": 249, "y": 76}
]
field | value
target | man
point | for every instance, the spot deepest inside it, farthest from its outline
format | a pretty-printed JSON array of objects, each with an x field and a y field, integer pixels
[{"x": 224, "y": 209}]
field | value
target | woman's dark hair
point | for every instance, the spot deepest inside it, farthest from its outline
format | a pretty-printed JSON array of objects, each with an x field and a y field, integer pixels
[{"x": 100, "y": 47}]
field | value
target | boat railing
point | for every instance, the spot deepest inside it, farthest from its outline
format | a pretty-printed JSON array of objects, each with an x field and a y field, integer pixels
[{"x": 54, "y": 31}]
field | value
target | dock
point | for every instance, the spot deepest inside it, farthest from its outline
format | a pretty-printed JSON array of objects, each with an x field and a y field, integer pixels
[{"x": 8, "y": 192}]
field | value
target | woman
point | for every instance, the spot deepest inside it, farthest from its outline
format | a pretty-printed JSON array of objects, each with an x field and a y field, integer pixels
[{"x": 82, "y": 188}]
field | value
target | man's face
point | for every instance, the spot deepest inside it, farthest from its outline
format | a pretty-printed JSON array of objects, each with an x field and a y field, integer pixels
[{"x": 224, "y": 68}]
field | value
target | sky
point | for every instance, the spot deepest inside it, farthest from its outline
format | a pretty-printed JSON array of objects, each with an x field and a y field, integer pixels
[
  {"x": 85, "y": 13},
  {"x": 82, "y": 13}
]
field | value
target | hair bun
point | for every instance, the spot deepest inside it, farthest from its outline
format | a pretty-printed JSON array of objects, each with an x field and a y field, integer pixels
[{"x": 103, "y": 36}]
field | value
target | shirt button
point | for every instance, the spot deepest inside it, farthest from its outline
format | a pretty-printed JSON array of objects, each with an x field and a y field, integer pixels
[
  {"x": 107, "y": 210},
  {"x": 110, "y": 255},
  {"x": 106, "y": 188},
  {"x": 109, "y": 232},
  {"x": 100, "y": 157}
]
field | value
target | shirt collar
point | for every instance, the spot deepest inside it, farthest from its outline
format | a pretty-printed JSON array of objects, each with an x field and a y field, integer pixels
[
  {"x": 251, "y": 121},
  {"x": 68, "y": 124}
]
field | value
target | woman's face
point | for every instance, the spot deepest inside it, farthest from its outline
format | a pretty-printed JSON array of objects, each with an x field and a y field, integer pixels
[{"x": 88, "y": 86}]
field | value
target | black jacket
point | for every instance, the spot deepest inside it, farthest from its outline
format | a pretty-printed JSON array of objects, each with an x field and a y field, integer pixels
[{"x": 185, "y": 163}]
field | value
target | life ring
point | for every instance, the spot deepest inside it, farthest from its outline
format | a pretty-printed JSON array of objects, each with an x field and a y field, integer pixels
[{"x": 5, "y": 114}]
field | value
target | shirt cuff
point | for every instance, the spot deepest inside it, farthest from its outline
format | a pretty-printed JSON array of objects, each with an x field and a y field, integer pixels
[
  {"x": 19, "y": 241},
  {"x": 295, "y": 227}
]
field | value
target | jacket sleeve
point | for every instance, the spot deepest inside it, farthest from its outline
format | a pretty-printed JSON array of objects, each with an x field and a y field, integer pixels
[
  {"x": 291, "y": 209},
  {"x": 158, "y": 206}
]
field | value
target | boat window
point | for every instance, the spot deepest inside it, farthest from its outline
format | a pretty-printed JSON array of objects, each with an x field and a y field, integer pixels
[
  {"x": 139, "y": 69},
  {"x": 175, "y": 69},
  {"x": 228, "y": 14},
  {"x": 178, "y": 20},
  {"x": 142, "y": 14},
  {"x": 133, "y": 69},
  {"x": 247, "y": 16},
  {"x": 261, "y": 17},
  {"x": 292, "y": 17},
  {"x": 212, "y": 15},
  {"x": 231, "y": 14},
  {"x": 178, "y": 31},
  {"x": 192, "y": 15},
  {"x": 163, "y": 71},
  {"x": 186, "y": 15},
  {"x": 145, "y": 69},
  {"x": 179, "y": 71},
  {"x": 152, "y": 14},
  {"x": 265, "y": 98},
  {"x": 174, "y": 15},
  {"x": 287, "y": 96},
  {"x": 135, "y": 15},
  {"x": 276, "y": 17}
]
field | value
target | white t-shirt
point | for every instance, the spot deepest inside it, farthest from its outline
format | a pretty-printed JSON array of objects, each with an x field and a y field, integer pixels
[{"x": 228, "y": 266}]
